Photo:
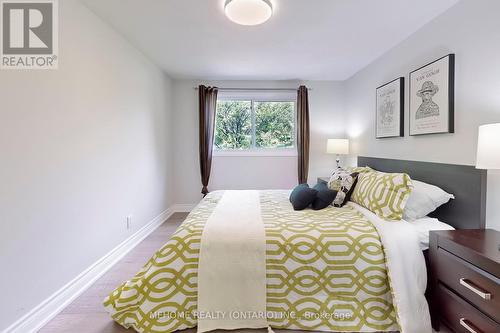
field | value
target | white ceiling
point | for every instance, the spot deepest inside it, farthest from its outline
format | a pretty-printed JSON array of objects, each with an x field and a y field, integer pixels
[{"x": 304, "y": 40}]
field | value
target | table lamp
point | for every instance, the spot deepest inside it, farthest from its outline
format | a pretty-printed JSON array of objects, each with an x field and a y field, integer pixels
[
  {"x": 488, "y": 147},
  {"x": 337, "y": 147}
]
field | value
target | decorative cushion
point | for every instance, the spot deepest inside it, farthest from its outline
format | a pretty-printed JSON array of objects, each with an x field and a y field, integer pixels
[
  {"x": 424, "y": 199},
  {"x": 385, "y": 194},
  {"x": 343, "y": 182},
  {"x": 302, "y": 196},
  {"x": 324, "y": 197},
  {"x": 347, "y": 192},
  {"x": 296, "y": 190}
]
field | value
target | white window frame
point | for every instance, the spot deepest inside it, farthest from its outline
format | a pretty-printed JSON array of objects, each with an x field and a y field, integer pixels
[{"x": 259, "y": 96}]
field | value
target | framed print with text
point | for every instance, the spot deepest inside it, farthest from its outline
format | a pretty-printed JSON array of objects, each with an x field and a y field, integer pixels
[{"x": 432, "y": 89}]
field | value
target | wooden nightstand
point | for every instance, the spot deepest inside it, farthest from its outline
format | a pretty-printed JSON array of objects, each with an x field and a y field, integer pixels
[
  {"x": 323, "y": 180},
  {"x": 465, "y": 280}
]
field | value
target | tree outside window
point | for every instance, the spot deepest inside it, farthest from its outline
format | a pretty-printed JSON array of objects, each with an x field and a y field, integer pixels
[{"x": 252, "y": 124}]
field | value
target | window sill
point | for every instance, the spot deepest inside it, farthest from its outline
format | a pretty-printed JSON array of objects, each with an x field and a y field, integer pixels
[{"x": 255, "y": 152}]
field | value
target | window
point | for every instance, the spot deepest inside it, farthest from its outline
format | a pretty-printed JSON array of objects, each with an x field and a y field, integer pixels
[{"x": 257, "y": 124}]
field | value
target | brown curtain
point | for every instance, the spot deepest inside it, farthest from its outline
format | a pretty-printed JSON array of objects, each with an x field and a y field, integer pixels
[
  {"x": 207, "y": 97},
  {"x": 303, "y": 133}
]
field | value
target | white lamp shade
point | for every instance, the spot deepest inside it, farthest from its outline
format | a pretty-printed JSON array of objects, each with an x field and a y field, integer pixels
[
  {"x": 488, "y": 147},
  {"x": 248, "y": 12},
  {"x": 337, "y": 146}
]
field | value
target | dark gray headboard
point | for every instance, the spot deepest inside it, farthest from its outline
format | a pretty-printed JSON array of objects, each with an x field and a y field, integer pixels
[{"x": 468, "y": 184}]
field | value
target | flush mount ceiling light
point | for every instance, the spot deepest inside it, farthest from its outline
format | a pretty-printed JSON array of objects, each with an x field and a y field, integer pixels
[{"x": 248, "y": 12}]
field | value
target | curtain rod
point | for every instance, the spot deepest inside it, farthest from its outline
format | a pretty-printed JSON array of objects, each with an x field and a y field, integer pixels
[{"x": 256, "y": 89}]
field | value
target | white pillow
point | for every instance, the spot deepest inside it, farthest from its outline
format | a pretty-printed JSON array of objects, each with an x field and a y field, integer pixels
[{"x": 424, "y": 199}]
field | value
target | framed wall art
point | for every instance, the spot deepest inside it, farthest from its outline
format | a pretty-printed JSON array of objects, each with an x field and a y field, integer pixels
[
  {"x": 432, "y": 89},
  {"x": 390, "y": 109}
]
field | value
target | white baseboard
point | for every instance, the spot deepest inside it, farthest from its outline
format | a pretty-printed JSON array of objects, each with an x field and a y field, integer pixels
[{"x": 48, "y": 309}]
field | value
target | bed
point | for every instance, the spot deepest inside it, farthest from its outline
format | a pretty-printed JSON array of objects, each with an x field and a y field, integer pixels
[{"x": 337, "y": 269}]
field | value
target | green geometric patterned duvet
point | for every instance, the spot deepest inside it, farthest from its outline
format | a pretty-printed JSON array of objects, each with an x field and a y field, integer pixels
[{"x": 325, "y": 271}]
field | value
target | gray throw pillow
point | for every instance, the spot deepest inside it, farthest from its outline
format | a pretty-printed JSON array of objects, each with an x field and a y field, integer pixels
[
  {"x": 324, "y": 197},
  {"x": 302, "y": 196}
]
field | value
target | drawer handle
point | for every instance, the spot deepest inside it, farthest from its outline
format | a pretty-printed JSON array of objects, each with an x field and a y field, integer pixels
[
  {"x": 468, "y": 326},
  {"x": 474, "y": 289}
]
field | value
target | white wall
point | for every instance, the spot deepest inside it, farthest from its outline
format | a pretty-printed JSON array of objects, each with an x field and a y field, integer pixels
[
  {"x": 327, "y": 120},
  {"x": 80, "y": 148},
  {"x": 471, "y": 30}
]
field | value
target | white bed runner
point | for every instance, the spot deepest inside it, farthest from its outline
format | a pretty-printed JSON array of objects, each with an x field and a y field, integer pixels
[{"x": 232, "y": 265}]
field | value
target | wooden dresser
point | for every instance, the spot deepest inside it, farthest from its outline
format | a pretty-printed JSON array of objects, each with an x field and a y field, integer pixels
[{"x": 465, "y": 280}]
